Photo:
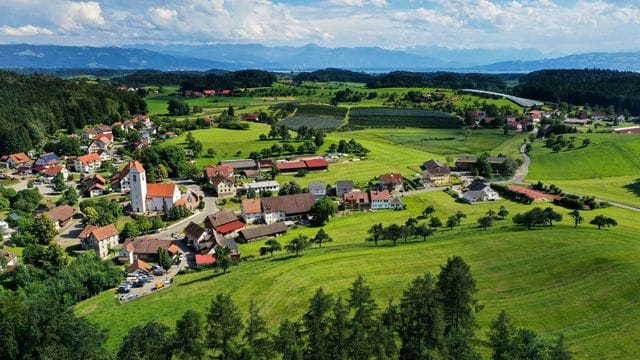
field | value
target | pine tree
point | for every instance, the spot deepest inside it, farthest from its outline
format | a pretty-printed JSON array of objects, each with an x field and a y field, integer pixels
[
  {"x": 288, "y": 341},
  {"x": 316, "y": 324},
  {"x": 188, "y": 340},
  {"x": 362, "y": 322},
  {"x": 500, "y": 336},
  {"x": 256, "y": 335},
  {"x": 559, "y": 350},
  {"x": 338, "y": 330},
  {"x": 224, "y": 324}
]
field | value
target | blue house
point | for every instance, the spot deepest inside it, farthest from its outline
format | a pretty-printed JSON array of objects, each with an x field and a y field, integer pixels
[{"x": 47, "y": 159}]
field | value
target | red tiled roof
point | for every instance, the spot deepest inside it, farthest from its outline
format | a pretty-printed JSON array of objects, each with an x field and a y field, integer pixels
[
  {"x": 105, "y": 232},
  {"x": 52, "y": 171},
  {"x": 251, "y": 206},
  {"x": 180, "y": 202},
  {"x": 86, "y": 159},
  {"x": 103, "y": 137},
  {"x": 291, "y": 165},
  {"x": 86, "y": 231},
  {"x": 380, "y": 195},
  {"x": 136, "y": 165},
  {"x": 391, "y": 179},
  {"x": 230, "y": 227},
  {"x": 224, "y": 170},
  {"x": 316, "y": 163},
  {"x": 536, "y": 195},
  {"x": 356, "y": 196},
  {"x": 19, "y": 158},
  {"x": 150, "y": 245},
  {"x": 160, "y": 190},
  {"x": 139, "y": 265},
  {"x": 205, "y": 259}
]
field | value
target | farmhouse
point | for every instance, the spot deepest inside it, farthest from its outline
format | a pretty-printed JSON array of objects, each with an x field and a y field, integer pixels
[
  {"x": 318, "y": 189},
  {"x": 392, "y": 182},
  {"x": 100, "y": 239},
  {"x": 479, "y": 191},
  {"x": 14, "y": 160},
  {"x": 62, "y": 215},
  {"x": 286, "y": 207},
  {"x": 224, "y": 222},
  {"x": 195, "y": 235},
  {"x": 138, "y": 267},
  {"x": 263, "y": 186},
  {"x": 223, "y": 186},
  {"x": 251, "y": 210},
  {"x": 468, "y": 163},
  {"x": 240, "y": 165},
  {"x": 380, "y": 199},
  {"x": 262, "y": 232},
  {"x": 212, "y": 171},
  {"x": 94, "y": 185},
  {"x": 145, "y": 248},
  {"x": 436, "y": 173},
  {"x": 343, "y": 187},
  {"x": 88, "y": 163},
  {"x": 356, "y": 200},
  {"x": 291, "y": 166}
]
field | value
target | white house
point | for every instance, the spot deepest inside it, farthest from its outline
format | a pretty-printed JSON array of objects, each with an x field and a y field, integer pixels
[
  {"x": 380, "y": 199},
  {"x": 161, "y": 197},
  {"x": 318, "y": 189},
  {"x": 479, "y": 192},
  {"x": 263, "y": 186},
  {"x": 88, "y": 163},
  {"x": 50, "y": 174},
  {"x": 101, "y": 239},
  {"x": 251, "y": 210},
  {"x": 14, "y": 160}
]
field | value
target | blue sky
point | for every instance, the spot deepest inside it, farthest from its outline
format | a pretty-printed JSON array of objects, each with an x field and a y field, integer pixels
[{"x": 552, "y": 26}]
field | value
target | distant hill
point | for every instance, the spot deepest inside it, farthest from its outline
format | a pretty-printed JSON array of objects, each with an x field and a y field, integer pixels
[
  {"x": 629, "y": 61},
  {"x": 64, "y": 57},
  {"x": 475, "y": 57}
]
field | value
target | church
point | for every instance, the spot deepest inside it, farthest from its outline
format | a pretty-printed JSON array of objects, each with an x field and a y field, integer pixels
[{"x": 150, "y": 197}]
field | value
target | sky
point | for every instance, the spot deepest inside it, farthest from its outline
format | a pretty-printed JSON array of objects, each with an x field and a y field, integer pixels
[{"x": 552, "y": 26}]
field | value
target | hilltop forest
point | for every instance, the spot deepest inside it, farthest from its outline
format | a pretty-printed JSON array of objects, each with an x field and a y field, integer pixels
[
  {"x": 192, "y": 80},
  {"x": 33, "y": 106}
]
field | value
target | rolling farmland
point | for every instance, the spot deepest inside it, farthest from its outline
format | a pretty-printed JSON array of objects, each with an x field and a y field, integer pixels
[
  {"x": 316, "y": 117},
  {"x": 389, "y": 117}
]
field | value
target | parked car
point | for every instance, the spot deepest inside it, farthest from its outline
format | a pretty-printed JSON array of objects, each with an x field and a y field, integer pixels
[
  {"x": 159, "y": 285},
  {"x": 138, "y": 284},
  {"x": 123, "y": 289}
]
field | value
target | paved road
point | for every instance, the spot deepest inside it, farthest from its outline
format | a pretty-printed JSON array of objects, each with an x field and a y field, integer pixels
[{"x": 522, "y": 171}]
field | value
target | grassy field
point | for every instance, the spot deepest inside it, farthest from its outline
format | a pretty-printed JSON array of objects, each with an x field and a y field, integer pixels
[
  {"x": 580, "y": 282},
  {"x": 609, "y": 167}
]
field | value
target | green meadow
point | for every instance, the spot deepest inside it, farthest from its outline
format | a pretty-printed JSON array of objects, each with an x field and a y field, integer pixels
[{"x": 579, "y": 282}]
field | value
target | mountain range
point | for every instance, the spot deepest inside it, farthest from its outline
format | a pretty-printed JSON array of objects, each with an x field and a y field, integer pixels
[{"x": 308, "y": 57}]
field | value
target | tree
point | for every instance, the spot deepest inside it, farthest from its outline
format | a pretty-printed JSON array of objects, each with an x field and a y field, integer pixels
[
  {"x": 69, "y": 197},
  {"x": 551, "y": 215},
  {"x": 435, "y": 223},
  {"x": 392, "y": 232},
  {"x": 211, "y": 152},
  {"x": 503, "y": 212},
  {"x": 189, "y": 340},
  {"x": 288, "y": 341},
  {"x": 44, "y": 229},
  {"x": 256, "y": 335},
  {"x": 602, "y": 220},
  {"x": 362, "y": 323},
  {"x": 321, "y": 237},
  {"x": 577, "y": 218},
  {"x": 485, "y": 222},
  {"x": 586, "y": 142},
  {"x": 164, "y": 259},
  {"x": 224, "y": 324},
  {"x": 500, "y": 336},
  {"x": 429, "y": 210},
  {"x": 50, "y": 258},
  {"x": 322, "y": 211},
  {"x": 457, "y": 293},
  {"x": 452, "y": 222},
  {"x": 231, "y": 111},
  {"x": 459, "y": 216},
  {"x": 527, "y": 346},
  {"x": 531, "y": 218},
  {"x": 420, "y": 326},
  {"x": 223, "y": 257},
  {"x": 297, "y": 245},
  {"x": 423, "y": 231},
  {"x": 338, "y": 330},
  {"x": 376, "y": 233},
  {"x": 150, "y": 341},
  {"x": 177, "y": 108},
  {"x": 316, "y": 326},
  {"x": 270, "y": 246},
  {"x": 59, "y": 184},
  {"x": 559, "y": 351}
]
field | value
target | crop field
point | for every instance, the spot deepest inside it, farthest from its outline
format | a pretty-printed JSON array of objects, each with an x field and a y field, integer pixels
[
  {"x": 608, "y": 168},
  {"x": 388, "y": 117},
  {"x": 579, "y": 282},
  {"x": 316, "y": 117}
]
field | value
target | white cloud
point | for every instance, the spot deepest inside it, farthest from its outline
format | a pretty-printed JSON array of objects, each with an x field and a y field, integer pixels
[
  {"x": 358, "y": 3},
  {"x": 26, "y": 30},
  {"x": 162, "y": 17},
  {"x": 75, "y": 16}
]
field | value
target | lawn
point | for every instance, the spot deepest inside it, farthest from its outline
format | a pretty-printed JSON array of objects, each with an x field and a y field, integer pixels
[
  {"x": 580, "y": 282},
  {"x": 608, "y": 168}
]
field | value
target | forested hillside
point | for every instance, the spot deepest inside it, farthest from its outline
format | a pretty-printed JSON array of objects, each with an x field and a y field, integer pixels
[
  {"x": 32, "y": 106},
  {"x": 190, "y": 80},
  {"x": 580, "y": 87},
  {"x": 439, "y": 79},
  {"x": 334, "y": 75}
]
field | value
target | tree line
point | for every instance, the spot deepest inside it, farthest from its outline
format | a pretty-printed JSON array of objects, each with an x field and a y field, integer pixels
[
  {"x": 35, "y": 106},
  {"x": 438, "y": 80},
  {"x": 192, "y": 80},
  {"x": 435, "y": 318}
]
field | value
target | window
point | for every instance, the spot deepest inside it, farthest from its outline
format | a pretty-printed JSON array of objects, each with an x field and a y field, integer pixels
[{"x": 134, "y": 178}]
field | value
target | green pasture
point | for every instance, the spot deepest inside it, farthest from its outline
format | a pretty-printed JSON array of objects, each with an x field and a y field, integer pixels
[{"x": 580, "y": 282}]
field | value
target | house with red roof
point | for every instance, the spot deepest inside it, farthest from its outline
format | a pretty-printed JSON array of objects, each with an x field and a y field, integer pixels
[
  {"x": 251, "y": 210},
  {"x": 50, "y": 174},
  {"x": 100, "y": 239},
  {"x": 61, "y": 215},
  {"x": 250, "y": 117},
  {"x": 145, "y": 248},
  {"x": 15, "y": 160},
  {"x": 356, "y": 200},
  {"x": 88, "y": 163},
  {"x": 224, "y": 222},
  {"x": 291, "y": 166},
  {"x": 205, "y": 259},
  {"x": 208, "y": 92},
  {"x": 317, "y": 164},
  {"x": 162, "y": 197},
  {"x": 380, "y": 199},
  {"x": 392, "y": 182}
]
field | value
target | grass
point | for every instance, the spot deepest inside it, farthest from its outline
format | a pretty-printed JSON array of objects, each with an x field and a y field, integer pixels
[
  {"x": 608, "y": 168},
  {"x": 580, "y": 282}
]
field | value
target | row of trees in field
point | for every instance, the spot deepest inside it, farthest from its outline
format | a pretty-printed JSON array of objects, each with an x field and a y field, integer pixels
[{"x": 435, "y": 318}]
